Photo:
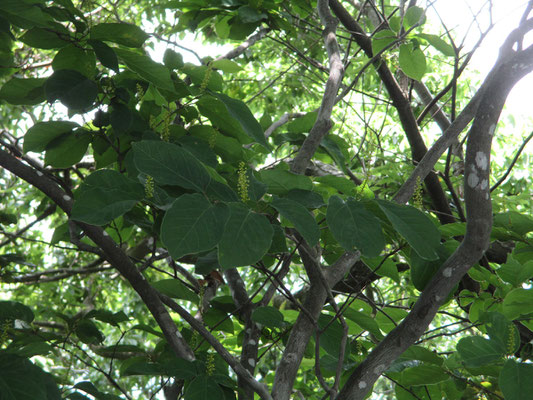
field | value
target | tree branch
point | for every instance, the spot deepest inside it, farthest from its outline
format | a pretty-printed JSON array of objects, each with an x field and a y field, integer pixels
[
  {"x": 323, "y": 122},
  {"x": 511, "y": 67},
  {"x": 113, "y": 253}
]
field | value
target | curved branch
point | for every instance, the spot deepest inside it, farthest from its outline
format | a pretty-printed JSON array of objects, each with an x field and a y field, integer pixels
[
  {"x": 510, "y": 68},
  {"x": 323, "y": 122},
  {"x": 113, "y": 253}
]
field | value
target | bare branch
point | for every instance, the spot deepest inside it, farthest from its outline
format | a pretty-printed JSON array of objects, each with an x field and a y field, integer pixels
[
  {"x": 323, "y": 122},
  {"x": 510, "y": 68}
]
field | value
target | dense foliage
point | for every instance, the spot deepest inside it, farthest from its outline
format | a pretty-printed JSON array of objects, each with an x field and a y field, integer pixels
[{"x": 237, "y": 227}]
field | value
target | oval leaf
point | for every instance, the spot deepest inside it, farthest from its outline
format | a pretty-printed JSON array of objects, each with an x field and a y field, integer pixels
[
  {"x": 192, "y": 225},
  {"x": 477, "y": 351},
  {"x": 42, "y": 133},
  {"x": 412, "y": 61},
  {"x": 174, "y": 288},
  {"x": 354, "y": 227},
  {"x": 148, "y": 69},
  {"x": 71, "y": 88},
  {"x": 516, "y": 379},
  {"x": 104, "y": 196},
  {"x": 125, "y": 34},
  {"x": 23, "y": 91},
  {"x": 246, "y": 239},
  {"x": 415, "y": 227},
  {"x": 302, "y": 219},
  {"x": 170, "y": 164},
  {"x": 204, "y": 387},
  {"x": 268, "y": 316}
]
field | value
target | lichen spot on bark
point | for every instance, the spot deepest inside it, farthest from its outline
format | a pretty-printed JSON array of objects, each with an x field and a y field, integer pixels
[
  {"x": 447, "y": 273},
  {"x": 482, "y": 160},
  {"x": 362, "y": 385},
  {"x": 472, "y": 180}
]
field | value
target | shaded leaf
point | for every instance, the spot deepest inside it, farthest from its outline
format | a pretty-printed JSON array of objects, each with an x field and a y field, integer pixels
[
  {"x": 302, "y": 219},
  {"x": 42, "y": 133},
  {"x": 23, "y": 91},
  {"x": 71, "y": 88},
  {"x": 240, "y": 111},
  {"x": 175, "y": 289},
  {"x": 125, "y": 34},
  {"x": 148, "y": 69},
  {"x": 415, "y": 227},
  {"x": 192, "y": 225},
  {"x": 104, "y": 196},
  {"x": 477, "y": 351},
  {"x": 204, "y": 387},
  {"x": 268, "y": 316},
  {"x": 246, "y": 239},
  {"x": 354, "y": 227},
  {"x": 105, "y": 54},
  {"x": 423, "y": 375},
  {"x": 170, "y": 164},
  {"x": 516, "y": 380},
  {"x": 68, "y": 149}
]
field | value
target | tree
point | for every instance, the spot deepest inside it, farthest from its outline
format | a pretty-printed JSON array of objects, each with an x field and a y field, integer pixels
[{"x": 238, "y": 227}]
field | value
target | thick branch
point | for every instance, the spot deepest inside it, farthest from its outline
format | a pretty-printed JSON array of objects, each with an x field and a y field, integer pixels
[
  {"x": 511, "y": 67},
  {"x": 401, "y": 103},
  {"x": 323, "y": 122},
  {"x": 113, "y": 253}
]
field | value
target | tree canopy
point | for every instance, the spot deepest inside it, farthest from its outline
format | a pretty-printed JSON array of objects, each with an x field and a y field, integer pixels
[{"x": 333, "y": 209}]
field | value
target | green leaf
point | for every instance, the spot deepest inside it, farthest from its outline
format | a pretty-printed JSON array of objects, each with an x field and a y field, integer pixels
[
  {"x": 226, "y": 65},
  {"x": 302, "y": 124},
  {"x": 415, "y": 227},
  {"x": 218, "y": 320},
  {"x": 200, "y": 73},
  {"x": 246, "y": 239},
  {"x": 172, "y": 60},
  {"x": 71, "y": 88},
  {"x": 422, "y": 354},
  {"x": 170, "y": 164},
  {"x": 44, "y": 39},
  {"x": 423, "y": 375},
  {"x": 383, "y": 39},
  {"x": 248, "y": 14},
  {"x": 42, "y": 133},
  {"x": 412, "y": 61},
  {"x": 515, "y": 273},
  {"x": 104, "y": 196},
  {"x": 20, "y": 379},
  {"x": 19, "y": 91},
  {"x": 229, "y": 149},
  {"x": 423, "y": 270},
  {"x": 193, "y": 225},
  {"x": 105, "y": 54},
  {"x": 12, "y": 310},
  {"x": 414, "y": 15},
  {"x": 502, "y": 330},
  {"x": 364, "y": 321},
  {"x": 77, "y": 59},
  {"x": 68, "y": 149},
  {"x": 125, "y": 34},
  {"x": 280, "y": 181},
  {"x": 87, "y": 331},
  {"x": 302, "y": 219},
  {"x": 331, "y": 335},
  {"x": 307, "y": 198},
  {"x": 516, "y": 380},
  {"x": 148, "y": 69},
  {"x": 204, "y": 387},
  {"x": 175, "y": 289},
  {"x": 518, "y": 302},
  {"x": 438, "y": 43},
  {"x": 477, "y": 351},
  {"x": 268, "y": 316},
  {"x": 514, "y": 222},
  {"x": 240, "y": 111},
  {"x": 178, "y": 368},
  {"x": 354, "y": 227},
  {"x": 139, "y": 366},
  {"x": 108, "y": 316}
]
